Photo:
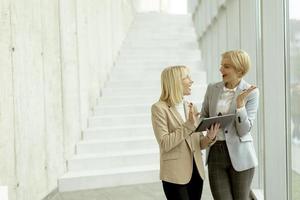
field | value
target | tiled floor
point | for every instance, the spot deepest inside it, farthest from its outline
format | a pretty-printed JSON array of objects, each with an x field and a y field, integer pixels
[{"x": 152, "y": 191}]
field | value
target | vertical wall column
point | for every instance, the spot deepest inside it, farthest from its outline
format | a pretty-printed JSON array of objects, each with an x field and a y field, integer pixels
[
  {"x": 52, "y": 91},
  {"x": 7, "y": 114},
  {"x": 70, "y": 75},
  {"x": 275, "y": 150}
]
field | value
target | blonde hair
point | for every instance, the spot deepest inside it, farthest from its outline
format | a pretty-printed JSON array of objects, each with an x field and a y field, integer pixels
[
  {"x": 240, "y": 60},
  {"x": 171, "y": 84}
]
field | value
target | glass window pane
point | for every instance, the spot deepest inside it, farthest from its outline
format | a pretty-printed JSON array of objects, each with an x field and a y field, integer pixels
[{"x": 294, "y": 26}]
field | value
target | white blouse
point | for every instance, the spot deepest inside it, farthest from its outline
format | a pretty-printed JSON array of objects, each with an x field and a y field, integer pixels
[
  {"x": 179, "y": 107},
  {"x": 223, "y": 106}
]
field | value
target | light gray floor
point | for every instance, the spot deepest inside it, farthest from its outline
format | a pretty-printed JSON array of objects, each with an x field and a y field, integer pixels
[{"x": 151, "y": 191}]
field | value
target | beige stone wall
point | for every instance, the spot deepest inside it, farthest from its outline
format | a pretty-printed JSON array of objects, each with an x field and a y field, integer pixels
[{"x": 55, "y": 58}]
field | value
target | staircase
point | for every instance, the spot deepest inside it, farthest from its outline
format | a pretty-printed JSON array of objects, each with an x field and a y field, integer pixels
[{"x": 119, "y": 147}]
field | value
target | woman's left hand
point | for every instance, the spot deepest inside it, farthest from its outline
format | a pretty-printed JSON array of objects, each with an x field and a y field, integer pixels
[
  {"x": 212, "y": 132},
  {"x": 240, "y": 100}
]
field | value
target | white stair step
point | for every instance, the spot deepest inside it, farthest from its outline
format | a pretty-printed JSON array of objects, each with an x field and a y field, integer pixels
[
  {"x": 3, "y": 192},
  {"x": 148, "y": 83},
  {"x": 166, "y": 30},
  {"x": 140, "y": 37},
  {"x": 128, "y": 99},
  {"x": 165, "y": 39},
  {"x": 113, "y": 160},
  {"x": 131, "y": 91},
  {"x": 116, "y": 145},
  {"x": 124, "y": 75},
  {"x": 152, "y": 66},
  {"x": 156, "y": 68},
  {"x": 149, "y": 45},
  {"x": 155, "y": 91},
  {"x": 155, "y": 63},
  {"x": 122, "y": 132},
  {"x": 122, "y": 109},
  {"x": 133, "y": 83},
  {"x": 158, "y": 52},
  {"x": 108, "y": 178},
  {"x": 144, "y": 57},
  {"x": 119, "y": 120}
]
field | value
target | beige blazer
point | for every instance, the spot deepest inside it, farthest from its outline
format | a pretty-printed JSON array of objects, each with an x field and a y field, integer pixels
[{"x": 178, "y": 144}]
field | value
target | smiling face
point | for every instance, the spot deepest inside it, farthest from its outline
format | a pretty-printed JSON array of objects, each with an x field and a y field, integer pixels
[
  {"x": 231, "y": 77},
  {"x": 187, "y": 83}
]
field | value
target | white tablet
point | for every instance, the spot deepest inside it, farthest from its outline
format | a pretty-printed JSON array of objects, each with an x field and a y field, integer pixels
[{"x": 223, "y": 120}]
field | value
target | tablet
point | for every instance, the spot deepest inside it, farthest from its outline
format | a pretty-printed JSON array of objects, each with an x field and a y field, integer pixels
[{"x": 223, "y": 120}]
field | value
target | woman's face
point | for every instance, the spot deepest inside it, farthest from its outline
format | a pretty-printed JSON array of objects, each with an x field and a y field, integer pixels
[
  {"x": 187, "y": 83},
  {"x": 228, "y": 72}
]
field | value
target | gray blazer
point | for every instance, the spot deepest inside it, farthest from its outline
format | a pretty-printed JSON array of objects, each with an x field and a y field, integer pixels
[{"x": 237, "y": 134}]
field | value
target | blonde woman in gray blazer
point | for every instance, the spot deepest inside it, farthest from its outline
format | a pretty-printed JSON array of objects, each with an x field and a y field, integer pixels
[
  {"x": 231, "y": 159},
  {"x": 174, "y": 122}
]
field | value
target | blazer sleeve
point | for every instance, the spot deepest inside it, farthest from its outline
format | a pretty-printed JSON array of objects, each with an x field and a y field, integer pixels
[
  {"x": 245, "y": 116},
  {"x": 168, "y": 140}
]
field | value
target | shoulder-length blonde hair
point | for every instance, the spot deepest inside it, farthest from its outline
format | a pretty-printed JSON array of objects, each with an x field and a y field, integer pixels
[
  {"x": 240, "y": 60},
  {"x": 171, "y": 84}
]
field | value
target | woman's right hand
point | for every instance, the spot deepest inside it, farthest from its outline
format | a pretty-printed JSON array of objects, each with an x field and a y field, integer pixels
[
  {"x": 192, "y": 117},
  {"x": 212, "y": 132}
]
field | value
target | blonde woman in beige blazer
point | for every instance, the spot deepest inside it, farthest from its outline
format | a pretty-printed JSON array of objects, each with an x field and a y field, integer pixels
[{"x": 174, "y": 122}]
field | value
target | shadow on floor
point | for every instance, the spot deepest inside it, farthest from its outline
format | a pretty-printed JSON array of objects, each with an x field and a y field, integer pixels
[{"x": 151, "y": 191}]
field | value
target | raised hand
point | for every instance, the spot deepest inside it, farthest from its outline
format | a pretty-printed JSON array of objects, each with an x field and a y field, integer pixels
[
  {"x": 192, "y": 117},
  {"x": 240, "y": 100}
]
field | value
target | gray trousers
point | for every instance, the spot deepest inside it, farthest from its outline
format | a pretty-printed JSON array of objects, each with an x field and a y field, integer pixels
[{"x": 225, "y": 182}]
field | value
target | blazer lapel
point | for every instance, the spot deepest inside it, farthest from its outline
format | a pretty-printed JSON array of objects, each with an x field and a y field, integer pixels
[
  {"x": 186, "y": 109},
  {"x": 186, "y": 112},
  {"x": 176, "y": 114}
]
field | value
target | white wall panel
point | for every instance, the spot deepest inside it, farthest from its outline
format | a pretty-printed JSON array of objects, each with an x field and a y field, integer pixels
[
  {"x": 273, "y": 41},
  {"x": 233, "y": 24},
  {"x": 70, "y": 76},
  {"x": 7, "y": 130},
  {"x": 84, "y": 60},
  {"x": 248, "y": 34},
  {"x": 215, "y": 54},
  {"x": 49, "y": 50},
  {"x": 222, "y": 31},
  {"x": 29, "y": 99},
  {"x": 96, "y": 32},
  {"x": 55, "y": 162}
]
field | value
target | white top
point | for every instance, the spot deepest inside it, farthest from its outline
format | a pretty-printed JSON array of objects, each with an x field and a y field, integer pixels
[
  {"x": 179, "y": 107},
  {"x": 223, "y": 106}
]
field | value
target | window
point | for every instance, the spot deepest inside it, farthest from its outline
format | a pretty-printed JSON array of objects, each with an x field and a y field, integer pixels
[{"x": 294, "y": 60}]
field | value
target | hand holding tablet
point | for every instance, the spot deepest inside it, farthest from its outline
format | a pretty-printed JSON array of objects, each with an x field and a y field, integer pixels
[{"x": 223, "y": 120}]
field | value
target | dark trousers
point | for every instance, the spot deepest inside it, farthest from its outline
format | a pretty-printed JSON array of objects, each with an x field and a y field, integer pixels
[
  {"x": 190, "y": 191},
  {"x": 225, "y": 182}
]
